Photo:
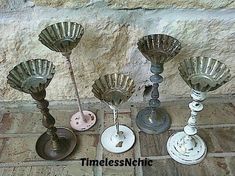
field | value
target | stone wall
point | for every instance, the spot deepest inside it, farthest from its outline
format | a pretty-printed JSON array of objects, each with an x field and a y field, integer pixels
[{"x": 112, "y": 29}]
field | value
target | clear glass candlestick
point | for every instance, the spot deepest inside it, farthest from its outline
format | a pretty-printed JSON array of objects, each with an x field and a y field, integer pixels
[
  {"x": 32, "y": 77},
  {"x": 158, "y": 49},
  {"x": 202, "y": 74},
  {"x": 113, "y": 90},
  {"x": 63, "y": 37}
]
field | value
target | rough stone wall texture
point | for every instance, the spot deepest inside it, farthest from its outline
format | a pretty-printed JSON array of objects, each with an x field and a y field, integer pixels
[
  {"x": 109, "y": 42},
  {"x": 146, "y": 4},
  {"x": 205, "y": 4}
]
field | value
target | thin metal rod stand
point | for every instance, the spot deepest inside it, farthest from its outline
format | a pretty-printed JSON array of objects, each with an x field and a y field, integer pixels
[
  {"x": 67, "y": 56},
  {"x": 115, "y": 120}
]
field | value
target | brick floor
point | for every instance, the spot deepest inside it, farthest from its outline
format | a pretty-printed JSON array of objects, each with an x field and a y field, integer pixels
[
  {"x": 168, "y": 167},
  {"x": 19, "y": 131}
]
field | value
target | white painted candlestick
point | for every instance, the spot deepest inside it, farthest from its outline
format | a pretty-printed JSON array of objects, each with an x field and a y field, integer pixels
[
  {"x": 117, "y": 138},
  {"x": 187, "y": 147}
]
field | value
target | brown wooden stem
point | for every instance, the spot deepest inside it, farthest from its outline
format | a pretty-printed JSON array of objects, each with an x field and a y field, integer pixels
[{"x": 48, "y": 120}]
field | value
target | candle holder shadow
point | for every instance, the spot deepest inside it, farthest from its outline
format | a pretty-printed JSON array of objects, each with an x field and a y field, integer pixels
[
  {"x": 113, "y": 90},
  {"x": 202, "y": 74},
  {"x": 63, "y": 37},
  {"x": 158, "y": 49},
  {"x": 32, "y": 77}
]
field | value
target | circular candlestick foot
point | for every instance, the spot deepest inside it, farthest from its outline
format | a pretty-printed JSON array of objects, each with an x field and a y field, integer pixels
[
  {"x": 77, "y": 123},
  {"x": 177, "y": 149},
  {"x": 157, "y": 125},
  {"x": 67, "y": 140},
  {"x": 111, "y": 142}
]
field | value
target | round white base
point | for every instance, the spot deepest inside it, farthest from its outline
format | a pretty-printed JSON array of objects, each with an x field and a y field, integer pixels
[
  {"x": 78, "y": 124},
  {"x": 117, "y": 145},
  {"x": 176, "y": 149}
]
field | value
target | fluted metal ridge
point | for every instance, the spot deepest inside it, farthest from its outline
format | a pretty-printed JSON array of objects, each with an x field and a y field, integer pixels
[
  {"x": 113, "y": 88},
  {"x": 31, "y": 76},
  {"x": 159, "y": 48},
  {"x": 62, "y": 36},
  {"x": 204, "y": 73}
]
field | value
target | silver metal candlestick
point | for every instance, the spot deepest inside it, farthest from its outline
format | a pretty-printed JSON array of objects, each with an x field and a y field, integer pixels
[
  {"x": 32, "y": 77},
  {"x": 113, "y": 90},
  {"x": 63, "y": 37},
  {"x": 202, "y": 74},
  {"x": 158, "y": 49}
]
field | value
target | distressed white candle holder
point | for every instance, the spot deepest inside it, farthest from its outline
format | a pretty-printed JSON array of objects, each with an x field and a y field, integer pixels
[
  {"x": 113, "y": 90},
  {"x": 202, "y": 74}
]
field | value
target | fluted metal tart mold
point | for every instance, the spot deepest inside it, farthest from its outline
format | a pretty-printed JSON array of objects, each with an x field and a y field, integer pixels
[
  {"x": 31, "y": 76},
  {"x": 113, "y": 88},
  {"x": 203, "y": 73},
  {"x": 61, "y": 37},
  {"x": 159, "y": 48}
]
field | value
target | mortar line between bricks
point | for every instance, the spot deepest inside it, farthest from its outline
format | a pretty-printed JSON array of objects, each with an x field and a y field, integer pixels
[
  {"x": 40, "y": 163},
  {"x": 225, "y": 154},
  {"x": 30, "y": 107},
  {"x": 210, "y": 155},
  {"x": 15, "y": 135},
  {"x": 204, "y": 126},
  {"x": 99, "y": 149},
  {"x": 138, "y": 170}
]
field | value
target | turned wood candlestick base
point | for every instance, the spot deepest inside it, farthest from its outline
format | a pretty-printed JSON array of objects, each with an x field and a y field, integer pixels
[
  {"x": 55, "y": 143},
  {"x": 32, "y": 77}
]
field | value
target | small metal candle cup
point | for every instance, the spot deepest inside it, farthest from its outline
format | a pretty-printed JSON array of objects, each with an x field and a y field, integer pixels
[
  {"x": 113, "y": 90},
  {"x": 158, "y": 49},
  {"x": 32, "y": 77},
  {"x": 202, "y": 74},
  {"x": 63, "y": 37}
]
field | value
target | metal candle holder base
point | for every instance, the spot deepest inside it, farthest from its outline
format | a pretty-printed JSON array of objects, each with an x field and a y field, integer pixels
[
  {"x": 153, "y": 124},
  {"x": 202, "y": 74},
  {"x": 33, "y": 77},
  {"x": 67, "y": 141},
  {"x": 113, "y": 90},
  {"x": 158, "y": 49},
  {"x": 117, "y": 143},
  {"x": 63, "y": 37},
  {"x": 187, "y": 147}
]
